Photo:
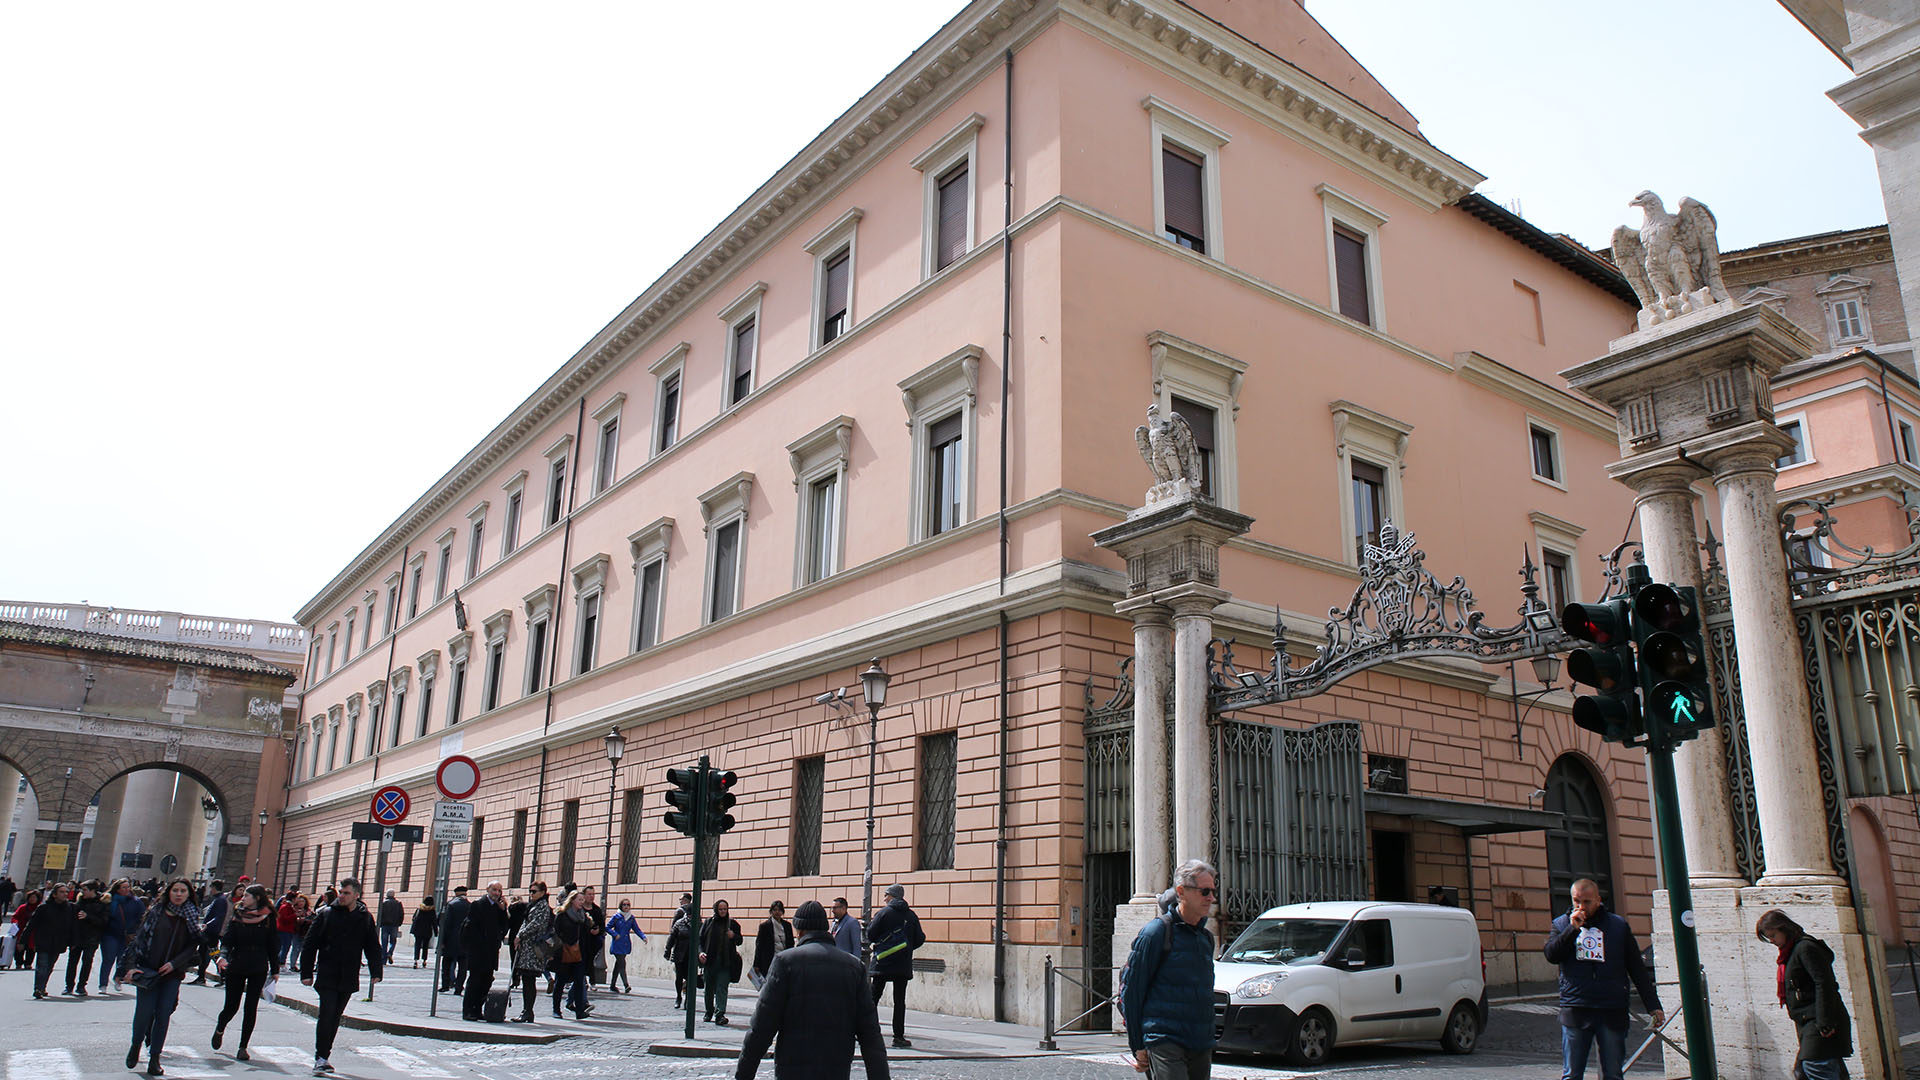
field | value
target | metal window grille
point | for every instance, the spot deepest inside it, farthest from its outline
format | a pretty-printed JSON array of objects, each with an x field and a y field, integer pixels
[
  {"x": 569, "y": 835},
  {"x": 335, "y": 876},
  {"x": 809, "y": 798},
  {"x": 938, "y": 758},
  {"x": 1387, "y": 774},
  {"x": 630, "y": 838},
  {"x": 519, "y": 849},
  {"x": 473, "y": 853}
]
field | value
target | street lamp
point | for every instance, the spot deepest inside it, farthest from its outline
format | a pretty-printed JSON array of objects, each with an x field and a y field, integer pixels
[
  {"x": 616, "y": 749},
  {"x": 873, "y": 684},
  {"x": 258, "y": 846},
  {"x": 209, "y": 809}
]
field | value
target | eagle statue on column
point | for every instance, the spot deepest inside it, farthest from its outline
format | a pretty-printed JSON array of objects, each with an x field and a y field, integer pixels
[
  {"x": 1672, "y": 260},
  {"x": 1168, "y": 447}
]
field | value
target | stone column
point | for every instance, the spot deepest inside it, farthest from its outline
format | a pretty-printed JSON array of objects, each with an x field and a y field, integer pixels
[
  {"x": 103, "y": 856},
  {"x": 9, "y": 795},
  {"x": 1152, "y": 810},
  {"x": 1192, "y": 606},
  {"x": 1773, "y": 688}
]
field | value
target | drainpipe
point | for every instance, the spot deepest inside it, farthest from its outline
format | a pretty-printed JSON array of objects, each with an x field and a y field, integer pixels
[
  {"x": 1006, "y": 385},
  {"x": 553, "y": 631},
  {"x": 386, "y": 695}
]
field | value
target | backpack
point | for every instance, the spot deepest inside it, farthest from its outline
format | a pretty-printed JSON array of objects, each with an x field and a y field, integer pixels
[{"x": 1166, "y": 946}]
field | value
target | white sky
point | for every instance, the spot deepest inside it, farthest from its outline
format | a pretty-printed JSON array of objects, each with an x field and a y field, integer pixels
[{"x": 269, "y": 270}]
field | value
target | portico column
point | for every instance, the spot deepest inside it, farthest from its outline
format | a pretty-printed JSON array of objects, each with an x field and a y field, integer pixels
[
  {"x": 1152, "y": 810},
  {"x": 1673, "y": 555},
  {"x": 1773, "y": 689},
  {"x": 1192, "y": 606}
]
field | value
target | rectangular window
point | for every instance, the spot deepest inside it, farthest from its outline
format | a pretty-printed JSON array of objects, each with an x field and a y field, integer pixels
[
  {"x": 951, "y": 241},
  {"x": 1183, "y": 179},
  {"x": 1369, "y": 502},
  {"x": 1201, "y": 420},
  {"x": 589, "y": 633},
  {"x": 1557, "y": 576},
  {"x": 393, "y": 609},
  {"x": 1350, "y": 271},
  {"x": 333, "y": 645},
  {"x": 669, "y": 412},
  {"x": 630, "y": 815},
  {"x": 536, "y": 655},
  {"x": 726, "y": 569},
  {"x": 510, "y": 537},
  {"x": 1796, "y": 454},
  {"x": 556, "y": 490},
  {"x": 473, "y": 852},
  {"x": 406, "y": 868},
  {"x": 944, "y": 447},
  {"x": 426, "y": 708},
  {"x": 809, "y": 801},
  {"x": 740, "y": 383},
  {"x": 569, "y": 837},
  {"x": 1909, "y": 450},
  {"x": 648, "y": 634},
  {"x": 1846, "y": 317},
  {"x": 823, "y": 497},
  {"x": 835, "y": 291},
  {"x": 419, "y": 582},
  {"x": 473, "y": 548},
  {"x": 374, "y": 713},
  {"x": 399, "y": 712},
  {"x": 496, "y": 666},
  {"x": 609, "y": 452},
  {"x": 366, "y": 630},
  {"x": 1546, "y": 453},
  {"x": 1387, "y": 773},
  {"x": 441, "y": 575},
  {"x": 335, "y": 879},
  {"x": 938, "y": 758},
  {"x": 519, "y": 849},
  {"x": 458, "y": 692},
  {"x": 353, "y": 735},
  {"x": 346, "y": 642}
]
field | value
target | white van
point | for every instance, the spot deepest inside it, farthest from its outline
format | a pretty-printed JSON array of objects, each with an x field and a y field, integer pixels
[{"x": 1305, "y": 978}]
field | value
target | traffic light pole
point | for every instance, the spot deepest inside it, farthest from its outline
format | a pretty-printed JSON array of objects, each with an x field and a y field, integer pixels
[
  {"x": 1686, "y": 949},
  {"x": 696, "y": 970}
]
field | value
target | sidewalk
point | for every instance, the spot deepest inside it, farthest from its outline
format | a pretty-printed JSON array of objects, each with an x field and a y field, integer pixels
[{"x": 647, "y": 1016}]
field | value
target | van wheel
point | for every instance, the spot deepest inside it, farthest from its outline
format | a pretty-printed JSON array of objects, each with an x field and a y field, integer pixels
[
  {"x": 1463, "y": 1030},
  {"x": 1312, "y": 1038}
]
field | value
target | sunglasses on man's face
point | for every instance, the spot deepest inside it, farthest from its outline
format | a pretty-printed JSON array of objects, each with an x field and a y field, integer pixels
[{"x": 1206, "y": 892}]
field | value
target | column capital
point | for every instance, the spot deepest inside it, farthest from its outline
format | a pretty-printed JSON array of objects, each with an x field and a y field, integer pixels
[
  {"x": 1145, "y": 611},
  {"x": 1749, "y": 448},
  {"x": 1662, "y": 473},
  {"x": 1191, "y": 599}
]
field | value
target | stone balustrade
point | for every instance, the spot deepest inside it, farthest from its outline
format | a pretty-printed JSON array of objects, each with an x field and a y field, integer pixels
[{"x": 247, "y": 635}]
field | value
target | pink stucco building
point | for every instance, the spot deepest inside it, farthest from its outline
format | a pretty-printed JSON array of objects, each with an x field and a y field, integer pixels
[{"x": 878, "y": 410}]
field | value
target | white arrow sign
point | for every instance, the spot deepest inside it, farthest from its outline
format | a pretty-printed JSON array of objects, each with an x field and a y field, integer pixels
[{"x": 453, "y": 811}]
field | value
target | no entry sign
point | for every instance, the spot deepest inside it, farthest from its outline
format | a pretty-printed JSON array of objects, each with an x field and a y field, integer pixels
[
  {"x": 458, "y": 777},
  {"x": 390, "y": 805}
]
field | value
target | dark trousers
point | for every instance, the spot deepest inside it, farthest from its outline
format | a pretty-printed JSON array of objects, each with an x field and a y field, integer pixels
[
  {"x": 571, "y": 980},
  {"x": 422, "y": 949},
  {"x": 80, "y": 958},
  {"x": 110, "y": 950},
  {"x": 286, "y": 946},
  {"x": 43, "y": 961},
  {"x": 718, "y": 977},
  {"x": 529, "y": 991},
  {"x": 333, "y": 1005},
  {"x": 479, "y": 982},
  {"x": 1171, "y": 1061},
  {"x": 243, "y": 992},
  {"x": 451, "y": 969},
  {"x": 152, "y": 1010},
  {"x": 389, "y": 936},
  {"x": 619, "y": 973},
  {"x": 899, "y": 1000},
  {"x": 682, "y": 974}
]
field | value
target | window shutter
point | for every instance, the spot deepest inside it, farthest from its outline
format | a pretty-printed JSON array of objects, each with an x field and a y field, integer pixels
[
  {"x": 1350, "y": 272},
  {"x": 1200, "y": 418},
  {"x": 1185, "y": 208},
  {"x": 833, "y": 321},
  {"x": 951, "y": 242}
]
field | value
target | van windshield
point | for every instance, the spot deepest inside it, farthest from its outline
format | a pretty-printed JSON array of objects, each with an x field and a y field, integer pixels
[{"x": 1284, "y": 941}]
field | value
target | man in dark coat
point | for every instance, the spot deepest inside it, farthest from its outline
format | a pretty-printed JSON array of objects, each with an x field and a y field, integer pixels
[
  {"x": 815, "y": 999},
  {"x": 89, "y": 926},
  {"x": 342, "y": 933},
  {"x": 216, "y": 910},
  {"x": 393, "y": 915},
  {"x": 50, "y": 931},
  {"x": 719, "y": 960},
  {"x": 451, "y": 968},
  {"x": 1811, "y": 996},
  {"x": 680, "y": 949},
  {"x": 895, "y": 933},
  {"x": 1598, "y": 957},
  {"x": 774, "y": 938},
  {"x": 481, "y": 933}
]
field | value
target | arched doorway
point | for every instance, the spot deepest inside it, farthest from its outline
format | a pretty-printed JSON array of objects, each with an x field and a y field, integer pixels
[
  {"x": 1874, "y": 867},
  {"x": 156, "y": 821},
  {"x": 1578, "y": 848},
  {"x": 19, "y": 820}
]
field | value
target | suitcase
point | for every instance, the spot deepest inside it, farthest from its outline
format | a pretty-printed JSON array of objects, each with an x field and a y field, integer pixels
[{"x": 495, "y": 1010}]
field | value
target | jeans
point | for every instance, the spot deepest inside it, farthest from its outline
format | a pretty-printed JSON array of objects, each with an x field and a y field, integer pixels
[
  {"x": 1171, "y": 1061},
  {"x": 1830, "y": 1069},
  {"x": 242, "y": 991},
  {"x": 286, "y": 946},
  {"x": 619, "y": 973},
  {"x": 110, "y": 949},
  {"x": 451, "y": 970},
  {"x": 717, "y": 977},
  {"x": 1575, "y": 1043},
  {"x": 333, "y": 1005},
  {"x": 389, "y": 936},
  {"x": 572, "y": 981},
  {"x": 43, "y": 961},
  {"x": 899, "y": 1000},
  {"x": 152, "y": 1009},
  {"x": 79, "y": 957}
]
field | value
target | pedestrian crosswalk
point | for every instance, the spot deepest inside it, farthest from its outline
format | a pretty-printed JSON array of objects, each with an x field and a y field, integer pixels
[{"x": 194, "y": 1063}]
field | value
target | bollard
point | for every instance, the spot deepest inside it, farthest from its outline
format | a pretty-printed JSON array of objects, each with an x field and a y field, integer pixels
[{"x": 1046, "y": 1032}]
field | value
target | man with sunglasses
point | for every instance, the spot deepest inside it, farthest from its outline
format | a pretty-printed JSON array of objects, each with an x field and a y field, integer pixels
[{"x": 1168, "y": 996}]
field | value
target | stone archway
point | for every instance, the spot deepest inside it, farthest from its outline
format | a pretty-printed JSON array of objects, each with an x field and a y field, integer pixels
[{"x": 1579, "y": 847}]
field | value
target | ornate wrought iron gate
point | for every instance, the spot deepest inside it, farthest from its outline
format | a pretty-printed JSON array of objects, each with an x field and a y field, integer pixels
[{"x": 1289, "y": 825}]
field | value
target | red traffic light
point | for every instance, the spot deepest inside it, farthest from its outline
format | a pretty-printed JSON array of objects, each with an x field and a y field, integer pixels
[
  {"x": 723, "y": 780},
  {"x": 1602, "y": 624}
]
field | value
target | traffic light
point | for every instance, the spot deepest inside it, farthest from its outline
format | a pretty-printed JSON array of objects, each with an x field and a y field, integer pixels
[
  {"x": 719, "y": 800},
  {"x": 1673, "y": 670},
  {"x": 1613, "y": 712},
  {"x": 684, "y": 796}
]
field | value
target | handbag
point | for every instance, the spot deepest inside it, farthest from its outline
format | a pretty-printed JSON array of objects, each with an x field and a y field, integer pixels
[{"x": 569, "y": 954}]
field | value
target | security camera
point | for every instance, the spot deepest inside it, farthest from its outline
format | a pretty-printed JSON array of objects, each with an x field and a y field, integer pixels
[{"x": 824, "y": 699}]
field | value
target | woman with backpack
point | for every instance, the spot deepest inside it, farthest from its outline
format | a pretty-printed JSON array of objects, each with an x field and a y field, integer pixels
[{"x": 166, "y": 946}]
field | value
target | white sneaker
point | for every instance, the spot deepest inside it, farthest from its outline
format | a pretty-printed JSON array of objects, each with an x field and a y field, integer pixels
[{"x": 321, "y": 1067}]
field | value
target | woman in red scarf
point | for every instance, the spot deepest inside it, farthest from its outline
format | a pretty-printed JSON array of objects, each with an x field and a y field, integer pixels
[{"x": 1811, "y": 995}]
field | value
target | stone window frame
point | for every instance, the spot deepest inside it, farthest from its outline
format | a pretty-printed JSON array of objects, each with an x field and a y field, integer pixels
[
  {"x": 561, "y": 450},
  {"x": 391, "y": 587},
  {"x": 333, "y": 646},
  {"x": 443, "y": 573},
  {"x": 607, "y": 413},
  {"x": 355, "y": 706},
  {"x": 589, "y": 585},
  {"x": 727, "y": 503},
  {"x": 843, "y": 234},
  {"x": 745, "y": 306},
  {"x": 668, "y": 368},
  {"x": 496, "y": 627},
  {"x": 823, "y": 452},
  {"x": 1341, "y": 209},
  {"x": 539, "y": 605},
  {"x": 1552, "y": 431},
  {"x": 348, "y": 620},
  {"x": 510, "y": 522},
  {"x": 649, "y": 544},
  {"x": 935, "y": 392},
  {"x": 459, "y": 672},
  {"x": 429, "y": 666},
  {"x": 1188, "y": 133},
  {"x": 1786, "y": 420},
  {"x": 1846, "y": 289},
  {"x": 476, "y": 539},
  {"x": 417, "y": 576},
  {"x": 1563, "y": 537},
  {"x": 398, "y": 686},
  {"x": 961, "y": 144},
  {"x": 376, "y": 714},
  {"x": 1380, "y": 441},
  {"x": 367, "y": 601},
  {"x": 1205, "y": 377}
]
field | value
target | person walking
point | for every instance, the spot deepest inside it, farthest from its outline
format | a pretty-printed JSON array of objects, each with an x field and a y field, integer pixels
[
  {"x": 303, "y": 913},
  {"x": 719, "y": 960},
  {"x": 533, "y": 948},
  {"x": 124, "y": 912},
  {"x": 846, "y": 928},
  {"x": 285, "y": 921},
  {"x": 895, "y": 934},
  {"x": 217, "y": 906},
  {"x": 574, "y": 926},
  {"x": 249, "y": 956},
  {"x": 620, "y": 933},
  {"x": 393, "y": 914},
  {"x": 450, "y": 923},
  {"x": 681, "y": 949},
  {"x": 774, "y": 937},
  {"x": 165, "y": 946},
  {"x": 343, "y": 932},
  {"x": 1811, "y": 996},
  {"x": 23, "y": 941},
  {"x": 1167, "y": 992},
  {"x": 8, "y": 890},
  {"x": 426, "y": 919},
  {"x": 50, "y": 931},
  {"x": 89, "y": 928},
  {"x": 815, "y": 1002},
  {"x": 481, "y": 934},
  {"x": 1598, "y": 957}
]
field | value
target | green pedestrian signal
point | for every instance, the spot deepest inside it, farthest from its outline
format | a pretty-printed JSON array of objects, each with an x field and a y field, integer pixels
[{"x": 1673, "y": 670}]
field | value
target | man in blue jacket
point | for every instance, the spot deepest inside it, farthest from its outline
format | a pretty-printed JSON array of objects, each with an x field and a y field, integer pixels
[
  {"x": 1598, "y": 957},
  {"x": 1167, "y": 999}
]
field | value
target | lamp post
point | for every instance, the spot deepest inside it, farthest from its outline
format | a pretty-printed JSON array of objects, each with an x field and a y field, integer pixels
[
  {"x": 209, "y": 809},
  {"x": 873, "y": 684},
  {"x": 616, "y": 749},
  {"x": 261, "y": 844},
  {"x": 60, "y": 818}
]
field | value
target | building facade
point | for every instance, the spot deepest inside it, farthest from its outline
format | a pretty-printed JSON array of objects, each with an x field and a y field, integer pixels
[{"x": 878, "y": 411}]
